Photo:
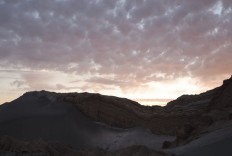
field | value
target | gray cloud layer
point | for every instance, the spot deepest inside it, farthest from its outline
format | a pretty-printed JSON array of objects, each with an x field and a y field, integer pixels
[{"x": 120, "y": 42}]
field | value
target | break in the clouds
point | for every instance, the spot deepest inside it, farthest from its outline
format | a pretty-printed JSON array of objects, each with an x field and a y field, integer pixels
[{"x": 121, "y": 46}]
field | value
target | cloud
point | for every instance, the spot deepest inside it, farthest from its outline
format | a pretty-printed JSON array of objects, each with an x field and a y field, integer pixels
[
  {"x": 40, "y": 80},
  {"x": 18, "y": 83},
  {"x": 106, "y": 81},
  {"x": 132, "y": 41}
]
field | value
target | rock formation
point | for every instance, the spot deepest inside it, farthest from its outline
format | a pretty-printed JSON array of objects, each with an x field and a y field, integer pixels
[{"x": 211, "y": 115}]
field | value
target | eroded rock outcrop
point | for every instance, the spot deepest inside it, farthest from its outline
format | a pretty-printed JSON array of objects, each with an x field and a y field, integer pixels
[
  {"x": 213, "y": 115},
  {"x": 124, "y": 113}
]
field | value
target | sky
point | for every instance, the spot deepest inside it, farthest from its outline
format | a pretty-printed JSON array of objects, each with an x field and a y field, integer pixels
[{"x": 151, "y": 51}]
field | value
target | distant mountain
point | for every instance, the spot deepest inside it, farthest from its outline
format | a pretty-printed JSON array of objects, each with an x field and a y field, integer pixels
[{"x": 48, "y": 123}]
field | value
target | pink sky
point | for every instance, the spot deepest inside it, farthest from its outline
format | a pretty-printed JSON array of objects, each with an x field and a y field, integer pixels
[{"x": 139, "y": 49}]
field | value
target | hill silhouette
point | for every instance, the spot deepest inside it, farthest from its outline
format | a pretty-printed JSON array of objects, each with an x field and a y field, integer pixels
[{"x": 49, "y": 123}]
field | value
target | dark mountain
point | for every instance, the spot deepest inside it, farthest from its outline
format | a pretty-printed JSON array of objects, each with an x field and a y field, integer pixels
[
  {"x": 47, "y": 123},
  {"x": 213, "y": 110},
  {"x": 45, "y": 119}
]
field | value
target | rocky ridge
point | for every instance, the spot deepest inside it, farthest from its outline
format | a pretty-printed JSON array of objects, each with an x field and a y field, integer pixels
[
  {"x": 213, "y": 115},
  {"x": 124, "y": 113},
  {"x": 188, "y": 115}
]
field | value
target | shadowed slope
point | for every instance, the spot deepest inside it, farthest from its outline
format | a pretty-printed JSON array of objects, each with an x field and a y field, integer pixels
[
  {"x": 44, "y": 115},
  {"x": 38, "y": 115}
]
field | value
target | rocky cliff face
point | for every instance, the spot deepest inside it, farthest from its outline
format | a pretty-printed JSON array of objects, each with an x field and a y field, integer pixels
[
  {"x": 186, "y": 117},
  {"x": 124, "y": 113},
  {"x": 212, "y": 115},
  {"x": 192, "y": 103},
  {"x": 223, "y": 98}
]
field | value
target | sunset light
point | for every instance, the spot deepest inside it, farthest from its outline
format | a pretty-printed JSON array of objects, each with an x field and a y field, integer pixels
[{"x": 134, "y": 49}]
